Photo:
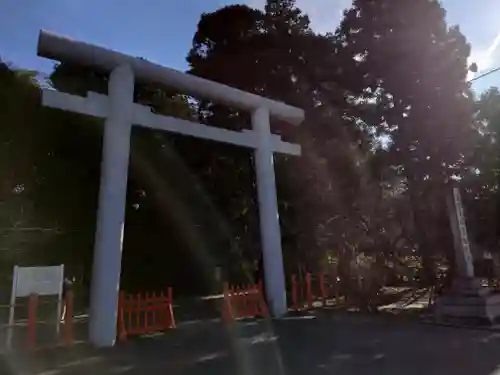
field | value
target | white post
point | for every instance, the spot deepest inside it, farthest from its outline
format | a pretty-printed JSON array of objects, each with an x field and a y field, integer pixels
[
  {"x": 268, "y": 213},
  {"x": 111, "y": 211},
  {"x": 12, "y": 306},
  {"x": 59, "y": 300}
]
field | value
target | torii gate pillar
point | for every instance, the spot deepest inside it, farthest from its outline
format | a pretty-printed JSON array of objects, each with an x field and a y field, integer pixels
[
  {"x": 108, "y": 244},
  {"x": 270, "y": 233}
]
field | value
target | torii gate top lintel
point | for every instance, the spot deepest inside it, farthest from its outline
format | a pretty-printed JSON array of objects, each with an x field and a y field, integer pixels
[{"x": 61, "y": 48}]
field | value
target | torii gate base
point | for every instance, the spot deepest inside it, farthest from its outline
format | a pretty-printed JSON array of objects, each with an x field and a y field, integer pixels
[{"x": 120, "y": 113}]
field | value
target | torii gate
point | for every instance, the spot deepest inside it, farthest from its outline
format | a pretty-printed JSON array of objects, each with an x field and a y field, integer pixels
[{"x": 120, "y": 113}]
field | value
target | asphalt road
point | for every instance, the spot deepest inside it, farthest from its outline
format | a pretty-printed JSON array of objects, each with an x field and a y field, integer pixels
[{"x": 331, "y": 344}]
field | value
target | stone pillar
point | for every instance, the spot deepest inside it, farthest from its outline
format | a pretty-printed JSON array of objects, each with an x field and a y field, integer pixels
[
  {"x": 466, "y": 302},
  {"x": 111, "y": 212},
  {"x": 463, "y": 256},
  {"x": 274, "y": 276}
]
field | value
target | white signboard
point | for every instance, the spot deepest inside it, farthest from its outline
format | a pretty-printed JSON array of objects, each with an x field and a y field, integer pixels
[
  {"x": 38, "y": 280},
  {"x": 43, "y": 281}
]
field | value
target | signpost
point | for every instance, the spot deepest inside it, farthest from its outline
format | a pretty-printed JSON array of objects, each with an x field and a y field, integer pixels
[{"x": 42, "y": 281}]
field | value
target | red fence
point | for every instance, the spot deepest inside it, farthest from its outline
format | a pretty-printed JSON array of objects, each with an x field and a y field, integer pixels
[
  {"x": 243, "y": 302},
  {"x": 305, "y": 293},
  {"x": 143, "y": 314}
]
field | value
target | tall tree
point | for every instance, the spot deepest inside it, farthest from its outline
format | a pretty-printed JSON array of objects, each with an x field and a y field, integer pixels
[
  {"x": 414, "y": 67},
  {"x": 282, "y": 58},
  {"x": 41, "y": 189},
  {"x": 482, "y": 181}
]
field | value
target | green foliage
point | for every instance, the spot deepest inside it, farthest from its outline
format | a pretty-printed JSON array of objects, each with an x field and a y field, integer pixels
[
  {"x": 415, "y": 73},
  {"x": 483, "y": 177},
  {"x": 44, "y": 169},
  {"x": 390, "y": 122}
]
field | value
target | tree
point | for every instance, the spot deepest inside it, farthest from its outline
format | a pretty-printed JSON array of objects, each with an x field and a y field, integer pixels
[
  {"x": 39, "y": 195},
  {"x": 322, "y": 195},
  {"x": 482, "y": 180},
  {"x": 415, "y": 72},
  {"x": 230, "y": 40}
]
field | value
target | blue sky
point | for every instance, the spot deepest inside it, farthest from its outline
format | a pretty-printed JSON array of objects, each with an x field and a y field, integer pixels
[{"x": 161, "y": 30}]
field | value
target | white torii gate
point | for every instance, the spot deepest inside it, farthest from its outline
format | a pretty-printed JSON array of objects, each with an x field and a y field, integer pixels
[{"x": 120, "y": 113}]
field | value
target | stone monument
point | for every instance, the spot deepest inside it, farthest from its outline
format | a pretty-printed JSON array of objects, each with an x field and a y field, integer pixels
[{"x": 466, "y": 301}]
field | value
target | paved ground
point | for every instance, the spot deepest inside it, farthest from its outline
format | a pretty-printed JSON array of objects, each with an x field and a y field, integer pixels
[{"x": 334, "y": 344}]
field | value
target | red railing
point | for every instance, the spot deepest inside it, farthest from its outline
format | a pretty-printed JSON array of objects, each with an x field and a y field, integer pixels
[
  {"x": 243, "y": 302},
  {"x": 141, "y": 314},
  {"x": 306, "y": 292}
]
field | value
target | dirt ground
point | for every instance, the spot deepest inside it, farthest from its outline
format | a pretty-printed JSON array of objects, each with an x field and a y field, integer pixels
[{"x": 336, "y": 343}]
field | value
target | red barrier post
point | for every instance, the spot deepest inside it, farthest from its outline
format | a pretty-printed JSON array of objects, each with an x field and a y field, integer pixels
[
  {"x": 309, "y": 295},
  {"x": 245, "y": 298},
  {"x": 122, "y": 332},
  {"x": 242, "y": 313},
  {"x": 227, "y": 315},
  {"x": 242, "y": 301},
  {"x": 68, "y": 319},
  {"x": 163, "y": 318},
  {"x": 253, "y": 300},
  {"x": 234, "y": 301},
  {"x": 237, "y": 301},
  {"x": 129, "y": 306},
  {"x": 263, "y": 306},
  {"x": 138, "y": 313},
  {"x": 250, "y": 299},
  {"x": 32, "y": 308},
  {"x": 256, "y": 301},
  {"x": 147, "y": 307},
  {"x": 171, "y": 308},
  {"x": 157, "y": 305}
]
